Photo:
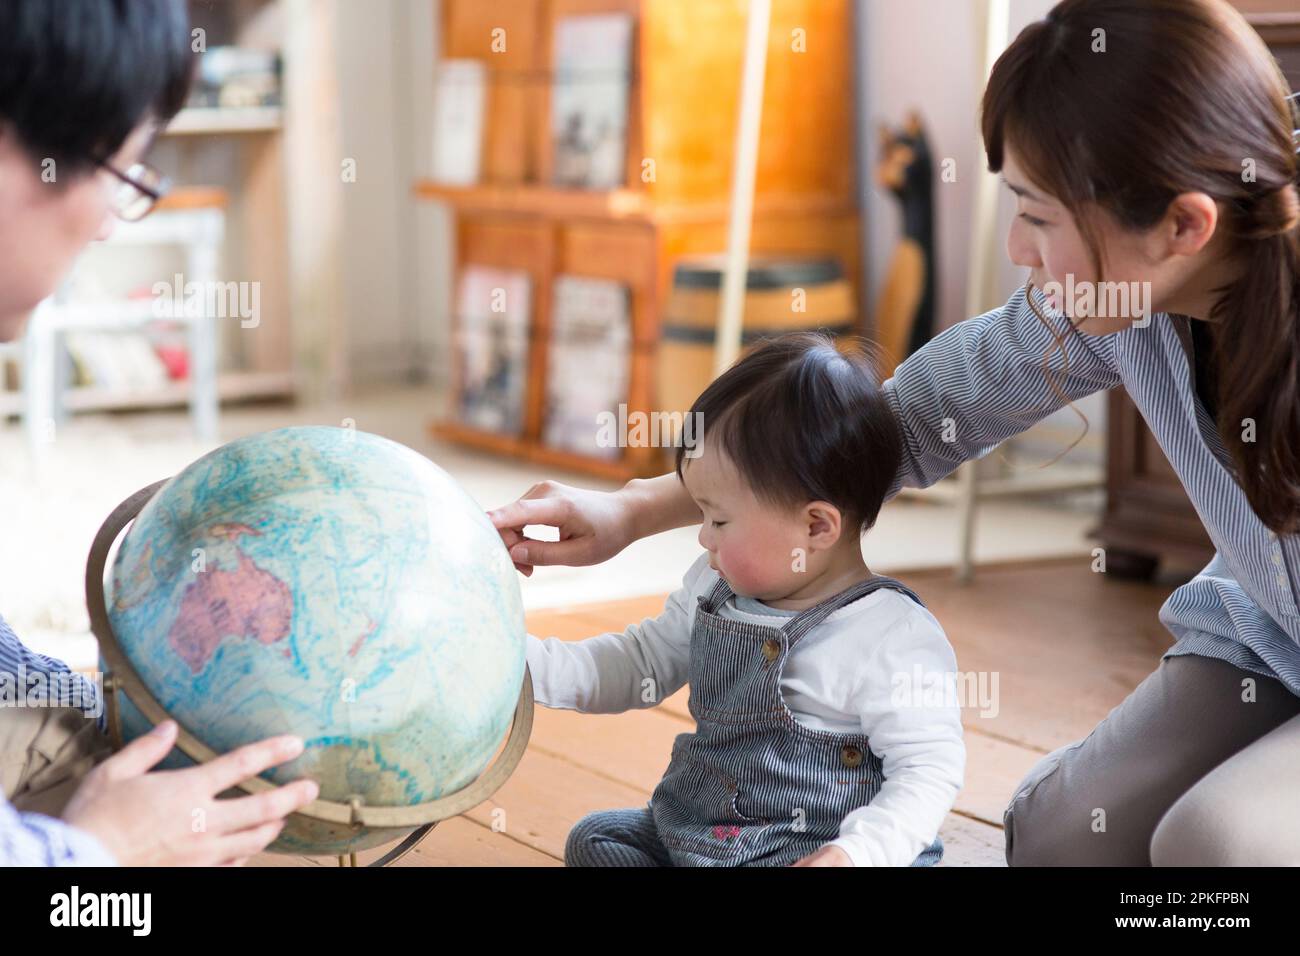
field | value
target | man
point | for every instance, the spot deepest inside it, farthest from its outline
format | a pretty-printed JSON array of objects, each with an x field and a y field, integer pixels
[{"x": 84, "y": 87}]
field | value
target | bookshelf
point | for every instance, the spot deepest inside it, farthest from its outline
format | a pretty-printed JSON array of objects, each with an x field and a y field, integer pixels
[
  {"x": 240, "y": 148},
  {"x": 221, "y": 121},
  {"x": 683, "y": 88}
]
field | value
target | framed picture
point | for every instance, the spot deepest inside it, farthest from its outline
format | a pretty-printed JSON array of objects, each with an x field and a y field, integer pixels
[
  {"x": 491, "y": 347},
  {"x": 458, "y": 104},
  {"x": 589, "y": 100},
  {"x": 587, "y": 365}
]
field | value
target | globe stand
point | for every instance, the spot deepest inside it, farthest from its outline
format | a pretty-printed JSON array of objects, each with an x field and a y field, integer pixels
[{"x": 121, "y": 680}]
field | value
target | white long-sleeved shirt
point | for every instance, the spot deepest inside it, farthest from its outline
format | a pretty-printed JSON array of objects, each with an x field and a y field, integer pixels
[{"x": 849, "y": 674}]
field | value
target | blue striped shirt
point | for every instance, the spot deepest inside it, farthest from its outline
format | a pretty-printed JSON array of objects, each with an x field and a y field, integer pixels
[
  {"x": 30, "y": 839},
  {"x": 982, "y": 381}
]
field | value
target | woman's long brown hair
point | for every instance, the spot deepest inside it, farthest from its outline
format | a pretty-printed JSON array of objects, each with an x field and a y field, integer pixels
[{"x": 1123, "y": 105}]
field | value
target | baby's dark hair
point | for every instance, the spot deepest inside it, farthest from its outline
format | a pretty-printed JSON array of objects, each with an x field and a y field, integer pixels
[{"x": 804, "y": 421}]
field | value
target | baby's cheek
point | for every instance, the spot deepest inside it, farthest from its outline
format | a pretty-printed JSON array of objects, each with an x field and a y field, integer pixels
[{"x": 749, "y": 568}]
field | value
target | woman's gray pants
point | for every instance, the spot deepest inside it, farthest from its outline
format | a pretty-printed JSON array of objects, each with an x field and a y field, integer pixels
[{"x": 1199, "y": 766}]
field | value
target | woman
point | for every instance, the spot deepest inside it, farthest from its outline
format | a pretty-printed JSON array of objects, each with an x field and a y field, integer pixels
[
  {"x": 84, "y": 85},
  {"x": 1150, "y": 142}
]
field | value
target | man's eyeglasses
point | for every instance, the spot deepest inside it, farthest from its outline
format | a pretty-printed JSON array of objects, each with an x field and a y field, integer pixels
[{"x": 138, "y": 192}]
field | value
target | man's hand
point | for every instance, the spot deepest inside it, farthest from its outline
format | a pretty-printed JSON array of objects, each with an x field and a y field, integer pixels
[
  {"x": 827, "y": 855},
  {"x": 172, "y": 817}
]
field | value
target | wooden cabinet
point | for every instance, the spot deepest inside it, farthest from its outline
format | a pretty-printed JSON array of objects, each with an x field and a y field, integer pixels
[
  {"x": 683, "y": 97},
  {"x": 1148, "y": 519}
]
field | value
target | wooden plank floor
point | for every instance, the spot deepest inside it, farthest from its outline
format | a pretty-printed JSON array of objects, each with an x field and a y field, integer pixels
[{"x": 1059, "y": 644}]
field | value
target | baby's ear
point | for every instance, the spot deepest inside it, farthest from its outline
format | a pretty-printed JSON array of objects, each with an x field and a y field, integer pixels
[{"x": 825, "y": 522}]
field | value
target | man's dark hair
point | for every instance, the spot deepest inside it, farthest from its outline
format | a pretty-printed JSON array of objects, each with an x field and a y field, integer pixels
[
  {"x": 77, "y": 76},
  {"x": 804, "y": 421}
]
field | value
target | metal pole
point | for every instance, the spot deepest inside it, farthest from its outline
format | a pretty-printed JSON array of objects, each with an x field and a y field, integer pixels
[
  {"x": 745, "y": 167},
  {"x": 981, "y": 283}
]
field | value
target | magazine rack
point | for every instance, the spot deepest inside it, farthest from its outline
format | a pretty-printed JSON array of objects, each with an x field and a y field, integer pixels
[{"x": 683, "y": 77}]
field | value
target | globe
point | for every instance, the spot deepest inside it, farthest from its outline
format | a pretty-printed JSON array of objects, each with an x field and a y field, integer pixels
[{"x": 335, "y": 585}]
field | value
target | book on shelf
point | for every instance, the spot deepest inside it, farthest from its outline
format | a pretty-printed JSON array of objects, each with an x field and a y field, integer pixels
[
  {"x": 493, "y": 307},
  {"x": 171, "y": 344},
  {"x": 459, "y": 99},
  {"x": 589, "y": 100},
  {"x": 588, "y": 364},
  {"x": 233, "y": 77},
  {"x": 123, "y": 362}
]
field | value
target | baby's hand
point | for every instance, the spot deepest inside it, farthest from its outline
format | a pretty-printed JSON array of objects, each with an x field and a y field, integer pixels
[{"x": 827, "y": 855}]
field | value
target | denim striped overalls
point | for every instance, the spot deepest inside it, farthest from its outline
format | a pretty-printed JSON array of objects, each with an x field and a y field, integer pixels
[{"x": 751, "y": 786}]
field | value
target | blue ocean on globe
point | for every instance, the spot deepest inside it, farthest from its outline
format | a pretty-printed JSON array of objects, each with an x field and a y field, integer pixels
[{"x": 332, "y": 584}]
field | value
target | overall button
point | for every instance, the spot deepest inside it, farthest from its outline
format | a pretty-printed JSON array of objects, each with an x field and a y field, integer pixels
[
  {"x": 850, "y": 756},
  {"x": 771, "y": 649}
]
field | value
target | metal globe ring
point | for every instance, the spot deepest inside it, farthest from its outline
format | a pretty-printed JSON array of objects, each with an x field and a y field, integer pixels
[{"x": 123, "y": 678}]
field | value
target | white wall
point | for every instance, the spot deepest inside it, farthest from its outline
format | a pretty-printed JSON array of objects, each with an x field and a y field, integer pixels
[
  {"x": 925, "y": 54},
  {"x": 394, "y": 247}
]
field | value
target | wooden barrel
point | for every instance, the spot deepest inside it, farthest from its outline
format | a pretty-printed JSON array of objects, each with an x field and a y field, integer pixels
[{"x": 782, "y": 295}]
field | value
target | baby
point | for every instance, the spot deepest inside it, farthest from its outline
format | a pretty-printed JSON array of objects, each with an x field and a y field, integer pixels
[{"x": 812, "y": 743}]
